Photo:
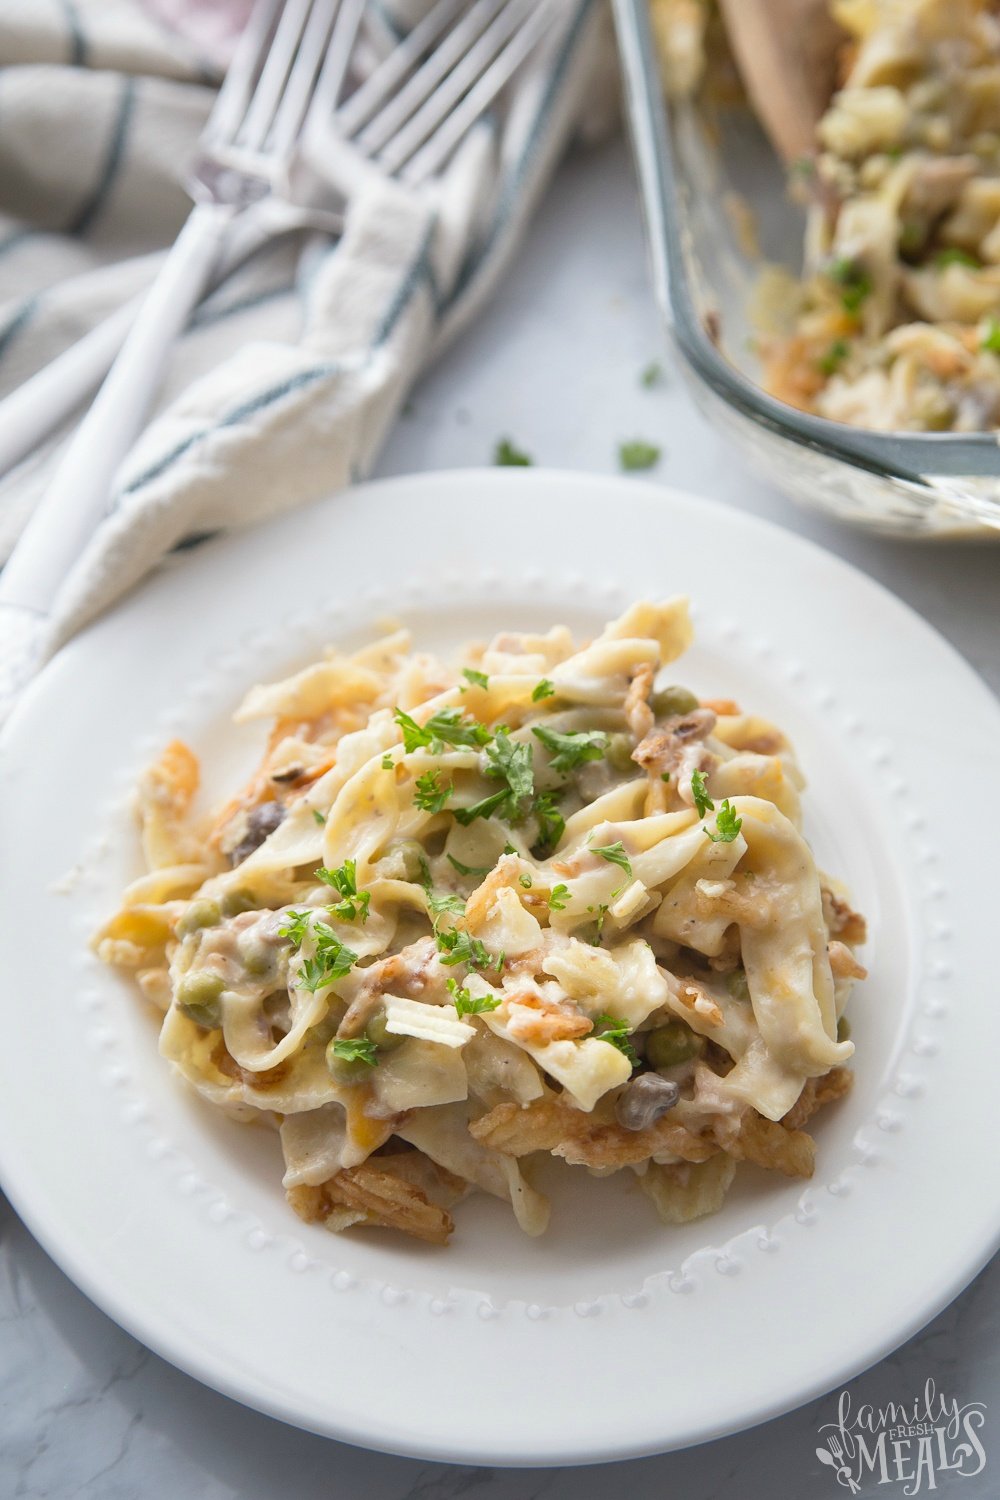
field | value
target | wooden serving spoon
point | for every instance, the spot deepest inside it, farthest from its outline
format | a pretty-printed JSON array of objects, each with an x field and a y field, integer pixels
[{"x": 786, "y": 52}]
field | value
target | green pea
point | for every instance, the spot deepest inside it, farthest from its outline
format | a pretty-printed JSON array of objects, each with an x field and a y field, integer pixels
[
  {"x": 672, "y": 700},
  {"x": 375, "y": 1031},
  {"x": 199, "y": 914},
  {"x": 736, "y": 984},
  {"x": 619, "y": 752},
  {"x": 198, "y": 997},
  {"x": 257, "y": 957},
  {"x": 672, "y": 1043},
  {"x": 233, "y": 902},
  {"x": 843, "y": 1029}
]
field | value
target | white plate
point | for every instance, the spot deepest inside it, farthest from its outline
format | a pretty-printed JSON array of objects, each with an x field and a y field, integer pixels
[{"x": 611, "y": 1336}]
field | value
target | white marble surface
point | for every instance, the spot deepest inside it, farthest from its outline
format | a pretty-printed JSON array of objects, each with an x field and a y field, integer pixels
[{"x": 84, "y": 1410}]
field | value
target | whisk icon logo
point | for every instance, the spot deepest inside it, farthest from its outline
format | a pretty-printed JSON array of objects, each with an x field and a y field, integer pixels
[{"x": 907, "y": 1443}]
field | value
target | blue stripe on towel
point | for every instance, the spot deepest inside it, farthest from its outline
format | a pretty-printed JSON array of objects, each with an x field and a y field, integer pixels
[
  {"x": 239, "y": 414},
  {"x": 18, "y": 322},
  {"x": 112, "y": 161},
  {"x": 419, "y": 274},
  {"x": 77, "y": 40}
]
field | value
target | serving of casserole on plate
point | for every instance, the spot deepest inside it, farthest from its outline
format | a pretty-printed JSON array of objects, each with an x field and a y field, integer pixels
[{"x": 169, "y": 1213}]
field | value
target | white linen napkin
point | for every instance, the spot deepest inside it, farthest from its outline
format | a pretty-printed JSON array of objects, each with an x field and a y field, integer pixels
[{"x": 291, "y": 373}]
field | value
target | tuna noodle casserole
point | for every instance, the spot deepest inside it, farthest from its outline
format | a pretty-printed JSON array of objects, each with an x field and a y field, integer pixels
[
  {"x": 895, "y": 322},
  {"x": 548, "y": 903}
]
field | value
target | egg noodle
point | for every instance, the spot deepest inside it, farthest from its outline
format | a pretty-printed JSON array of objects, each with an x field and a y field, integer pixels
[{"x": 546, "y": 903}]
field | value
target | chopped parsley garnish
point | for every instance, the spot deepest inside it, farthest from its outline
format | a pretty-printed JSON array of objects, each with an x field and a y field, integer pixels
[
  {"x": 438, "y": 904},
  {"x": 638, "y": 454},
  {"x": 478, "y": 679},
  {"x": 569, "y": 751},
  {"x": 543, "y": 689},
  {"x": 507, "y": 456},
  {"x": 387, "y": 762},
  {"x": 466, "y": 1005},
  {"x": 612, "y": 1029},
  {"x": 511, "y": 759},
  {"x": 602, "y": 912},
  {"x": 467, "y": 869},
  {"x": 508, "y": 848},
  {"x": 727, "y": 824},
  {"x": 525, "y": 881},
  {"x": 665, "y": 776},
  {"x": 834, "y": 357},
  {"x": 615, "y": 855},
  {"x": 854, "y": 282},
  {"x": 429, "y": 794},
  {"x": 295, "y": 927},
  {"x": 651, "y": 375},
  {"x": 344, "y": 881},
  {"x": 953, "y": 256},
  {"x": 448, "y": 726},
  {"x": 990, "y": 340},
  {"x": 319, "y": 817},
  {"x": 551, "y": 823},
  {"x": 332, "y": 959},
  {"x": 558, "y": 897},
  {"x": 702, "y": 800},
  {"x": 483, "y": 808},
  {"x": 459, "y": 947},
  {"x": 354, "y": 1049}
]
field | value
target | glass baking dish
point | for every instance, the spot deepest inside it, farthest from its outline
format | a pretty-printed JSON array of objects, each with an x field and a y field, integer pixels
[{"x": 695, "y": 170}]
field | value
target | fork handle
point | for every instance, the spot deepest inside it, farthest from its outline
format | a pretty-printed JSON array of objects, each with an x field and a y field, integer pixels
[{"x": 77, "y": 495}]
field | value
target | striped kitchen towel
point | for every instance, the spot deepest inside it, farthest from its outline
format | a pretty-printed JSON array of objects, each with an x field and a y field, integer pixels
[{"x": 292, "y": 371}]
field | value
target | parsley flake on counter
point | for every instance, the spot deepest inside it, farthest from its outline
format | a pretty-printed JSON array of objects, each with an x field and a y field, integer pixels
[
  {"x": 702, "y": 800},
  {"x": 727, "y": 824},
  {"x": 543, "y": 689},
  {"x": 651, "y": 375},
  {"x": 638, "y": 454},
  {"x": 615, "y": 855},
  {"x": 429, "y": 794},
  {"x": 478, "y": 679},
  {"x": 344, "y": 881},
  {"x": 612, "y": 1029},
  {"x": 354, "y": 1049},
  {"x": 507, "y": 456},
  {"x": 558, "y": 897},
  {"x": 467, "y": 1005},
  {"x": 569, "y": 751}
]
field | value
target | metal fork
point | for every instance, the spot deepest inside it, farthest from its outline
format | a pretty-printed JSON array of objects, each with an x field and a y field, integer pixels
[
  {"x": 260, "y": 109},
  {"x": 286, "y": 82}
]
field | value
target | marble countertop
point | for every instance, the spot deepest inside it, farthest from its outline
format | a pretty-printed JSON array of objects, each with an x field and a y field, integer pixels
[{"x": 554, "y": 364}]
